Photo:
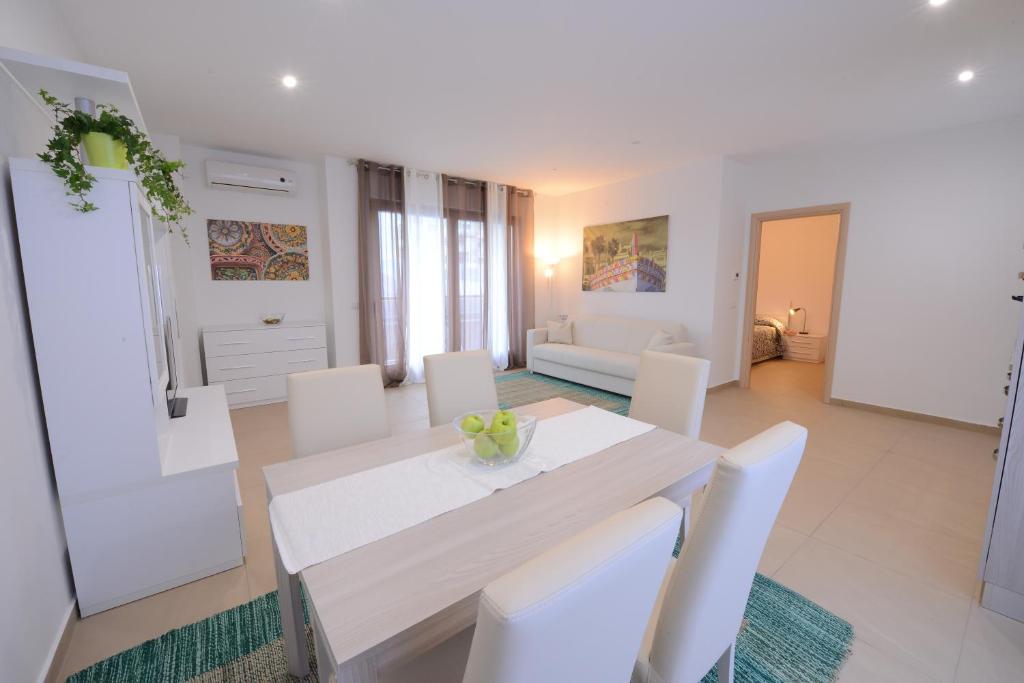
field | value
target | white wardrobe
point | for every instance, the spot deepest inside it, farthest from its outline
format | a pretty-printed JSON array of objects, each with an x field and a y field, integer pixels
[
  {"x": 1002, "y": 556},
  {"x": 148, "y": 503}
]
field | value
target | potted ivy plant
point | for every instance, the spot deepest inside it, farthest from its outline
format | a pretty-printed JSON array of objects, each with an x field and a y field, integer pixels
[{"x": 111, "y": 140}]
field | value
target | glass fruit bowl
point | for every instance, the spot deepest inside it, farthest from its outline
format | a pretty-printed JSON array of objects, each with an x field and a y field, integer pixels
[{"x": 494, "y": 437}]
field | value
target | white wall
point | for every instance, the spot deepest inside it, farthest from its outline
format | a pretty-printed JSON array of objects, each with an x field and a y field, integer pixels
[
  {"x": 797, "y": 265},
  {"x": 340, "y": 195},
  {"x": 35, "y": 585},
  {"x": 935, "y": 237},
  {"x": 692, "y": 197},
  {"x": 220, "y": 302}
]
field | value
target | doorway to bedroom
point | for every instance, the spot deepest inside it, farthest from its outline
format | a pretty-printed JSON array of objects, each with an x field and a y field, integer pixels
[{"x": 794, "y": 281}]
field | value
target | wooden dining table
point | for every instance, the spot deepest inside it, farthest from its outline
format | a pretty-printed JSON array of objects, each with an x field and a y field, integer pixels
[{"x": 386, "y": 602}]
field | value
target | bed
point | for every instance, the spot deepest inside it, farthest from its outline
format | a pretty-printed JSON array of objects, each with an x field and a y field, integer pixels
[{"x": 767, "y": 340}]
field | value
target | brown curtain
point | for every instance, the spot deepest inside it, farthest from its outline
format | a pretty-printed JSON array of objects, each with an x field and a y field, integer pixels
[
  {"x": 520, "y": 273},
  {"x": 465, "y": 213},
  {"x": 382, "y": 269}
]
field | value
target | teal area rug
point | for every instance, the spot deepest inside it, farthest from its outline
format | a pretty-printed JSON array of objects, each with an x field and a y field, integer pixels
[
  {"x": 785, "y": 638},
  {"x": 522, "y": 387}
]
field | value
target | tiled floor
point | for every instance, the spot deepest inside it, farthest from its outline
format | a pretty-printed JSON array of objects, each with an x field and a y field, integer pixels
[{"x": 883, "y": 525}]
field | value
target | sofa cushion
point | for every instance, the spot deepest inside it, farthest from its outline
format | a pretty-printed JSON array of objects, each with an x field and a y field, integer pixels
[
  {"x": 560, "y": 332},
  {"x": 624, "y": 335},
  {"x": 612, "y": 363}
]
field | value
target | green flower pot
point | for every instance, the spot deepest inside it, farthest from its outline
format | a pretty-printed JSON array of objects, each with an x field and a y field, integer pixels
[{"x": 104, "y": 151}]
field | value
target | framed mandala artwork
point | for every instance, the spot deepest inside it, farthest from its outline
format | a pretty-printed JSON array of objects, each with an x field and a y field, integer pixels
[{"x": 257, "y": 251}]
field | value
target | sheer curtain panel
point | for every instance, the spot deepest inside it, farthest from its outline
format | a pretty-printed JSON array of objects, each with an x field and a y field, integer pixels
[
  {"x": 428, "y": 268},
  {"x": 497, "y": 274},
  {"x": 382, "y": 269}
]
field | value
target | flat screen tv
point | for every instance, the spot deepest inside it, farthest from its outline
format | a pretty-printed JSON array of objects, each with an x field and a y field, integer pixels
[{"x": 176, "y": 406}]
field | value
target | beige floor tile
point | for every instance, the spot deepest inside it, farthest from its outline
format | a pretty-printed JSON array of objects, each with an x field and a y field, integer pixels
[
  {"x": 905, "y": 501},
  {"x": 993, "y": 649},
  {"x": 868, "y": 664},
  {"x": 821, "y": 445},
  {"x": 200, "y": 599},
  {"x": 923, "y": 475},
  {"x": 818, "y": 488},
  {"x": 782, "y": 543},
  {"x": 968, "y": 456},
  {"x": 259, "y": 567},
  {"x": 101, "y": 635},
  {"x": 897, "y": 615},
  {"x": 943, "y": 560}
]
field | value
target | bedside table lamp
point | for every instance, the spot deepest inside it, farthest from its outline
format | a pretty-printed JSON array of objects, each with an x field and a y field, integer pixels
[{"x": 793, "y": 311}]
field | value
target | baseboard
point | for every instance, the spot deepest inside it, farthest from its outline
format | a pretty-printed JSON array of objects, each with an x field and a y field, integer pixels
[
  {"x": 60, "y": 648},
  {"x": 920, "y": 417},
  {"x": 724, "y": 385}
]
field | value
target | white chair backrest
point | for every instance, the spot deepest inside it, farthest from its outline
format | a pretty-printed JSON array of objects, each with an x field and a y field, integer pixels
[
  {"x": 330, "y": 409},
  {"x": 577, "y": 612},
  {"x": 457, "y": 383},
  {"x": 670, "y": 391},
  {"x": 707, "y": 593}
]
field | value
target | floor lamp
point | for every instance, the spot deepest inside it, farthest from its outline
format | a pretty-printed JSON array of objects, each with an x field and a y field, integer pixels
[{"x": 549, "y": 274}]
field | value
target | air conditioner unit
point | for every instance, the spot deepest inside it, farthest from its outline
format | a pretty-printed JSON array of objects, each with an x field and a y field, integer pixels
[{"x": 226, "y": 176}]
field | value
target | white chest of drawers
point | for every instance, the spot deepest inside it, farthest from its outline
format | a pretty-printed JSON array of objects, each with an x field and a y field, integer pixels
[
  {"x": 809, "y": 348},
  {"x": 252, "y": 360}
]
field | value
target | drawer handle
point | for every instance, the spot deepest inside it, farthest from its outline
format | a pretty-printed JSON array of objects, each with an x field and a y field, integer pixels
[
  {"x": 231, "y": 343},
  {"x": 300, "y": 338},
  {"x": 239, "y": 367},
  {"x": 240, "y": 391},
  {"x": 304, "y": 360}
]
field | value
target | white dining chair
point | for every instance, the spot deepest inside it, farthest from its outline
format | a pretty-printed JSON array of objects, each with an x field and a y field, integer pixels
[
  {"x": 669, "y": 393},
  {"x": 578, "y": 611},
  {"x": 330, "y": 409},
  {"x": 703, "y": 600},
  {"x": 457, "y": 383}
]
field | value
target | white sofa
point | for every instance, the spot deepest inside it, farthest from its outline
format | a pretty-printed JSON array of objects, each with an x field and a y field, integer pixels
[{"x": 605, "y": 351}]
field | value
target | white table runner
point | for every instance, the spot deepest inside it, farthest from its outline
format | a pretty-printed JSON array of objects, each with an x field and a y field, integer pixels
[{"x": 314, "y": 524}]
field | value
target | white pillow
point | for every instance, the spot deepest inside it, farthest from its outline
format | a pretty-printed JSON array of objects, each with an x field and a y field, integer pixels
[
  {"x": 560, "y": 333},
  {"x": 660, "y": 338}
]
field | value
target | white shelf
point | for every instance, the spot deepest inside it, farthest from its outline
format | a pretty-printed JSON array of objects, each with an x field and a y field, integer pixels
[
  {"x": 203, "y": 440},
  {"x": 66, "y": 79}
]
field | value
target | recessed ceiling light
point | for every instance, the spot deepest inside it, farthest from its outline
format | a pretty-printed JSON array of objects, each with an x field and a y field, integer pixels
[
  {"x": 289, "y": 81},
  {"x": 937, "y": 3},
  {"x": 965, "y": 76}
]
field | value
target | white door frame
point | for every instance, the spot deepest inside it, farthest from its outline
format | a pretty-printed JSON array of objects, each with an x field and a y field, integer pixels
[{"x": 757, "y": 221}]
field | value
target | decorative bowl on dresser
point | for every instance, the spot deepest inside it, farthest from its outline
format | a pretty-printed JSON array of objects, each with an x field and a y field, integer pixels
[
  {"x": 252, "y": 360},
  {"x": 809, "y": 348}
]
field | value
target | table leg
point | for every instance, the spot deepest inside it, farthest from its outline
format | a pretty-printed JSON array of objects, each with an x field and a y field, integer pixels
[
  {"x": 293, "y": 625},
  {"x": 359, "y": 670}
]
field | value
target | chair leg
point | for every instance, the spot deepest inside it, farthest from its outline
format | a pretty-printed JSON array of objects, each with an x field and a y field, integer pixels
[{"x": 726, "y": 663}]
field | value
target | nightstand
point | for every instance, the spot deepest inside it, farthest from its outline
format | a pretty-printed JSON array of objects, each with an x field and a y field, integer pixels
[{"x": 809, "y": 348}]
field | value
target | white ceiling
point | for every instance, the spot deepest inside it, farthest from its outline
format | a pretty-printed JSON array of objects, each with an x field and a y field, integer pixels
[{"x": 551, "y": 94}]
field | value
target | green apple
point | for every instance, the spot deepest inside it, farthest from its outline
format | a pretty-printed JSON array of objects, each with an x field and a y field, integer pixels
[
  {"x": 509, "y": 444},
  {"x": 503, "y": 421},
  {"x": 472, "y": 424},
  {"x": 485, "y": 446}
]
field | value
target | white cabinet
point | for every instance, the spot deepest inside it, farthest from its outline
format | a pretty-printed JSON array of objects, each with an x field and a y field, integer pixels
[
  {"x": 148, "y": 503},
  {"x": 809, "y": 348},
  {"x": 1002, "y": 563},
  {"x": 252, "y": 360}
]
